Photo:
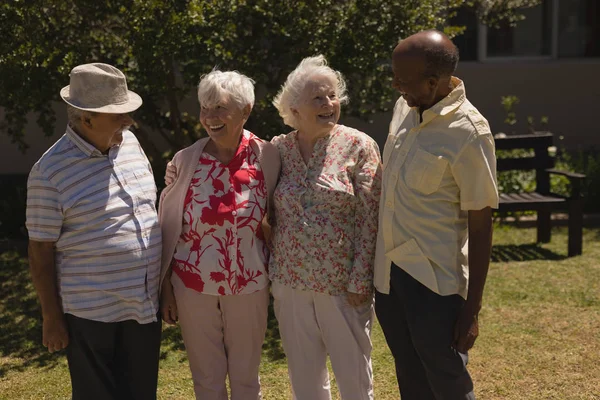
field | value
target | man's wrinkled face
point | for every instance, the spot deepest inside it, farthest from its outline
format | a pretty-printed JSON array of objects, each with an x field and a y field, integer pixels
[
  {"x": 110, "y": 126},
  {"x": 410, "y": 80}
]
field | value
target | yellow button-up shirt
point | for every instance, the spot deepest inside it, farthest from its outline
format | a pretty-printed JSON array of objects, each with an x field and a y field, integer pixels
[{"x": 434, "y": 172}]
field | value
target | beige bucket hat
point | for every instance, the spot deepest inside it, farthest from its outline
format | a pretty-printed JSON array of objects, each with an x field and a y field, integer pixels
[{"x": 100, "y": 88}]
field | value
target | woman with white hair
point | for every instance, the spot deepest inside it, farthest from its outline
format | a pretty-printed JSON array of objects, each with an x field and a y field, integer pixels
[
  {"x": 321, "y": 266},
  {"x": 214, "y": 261}
]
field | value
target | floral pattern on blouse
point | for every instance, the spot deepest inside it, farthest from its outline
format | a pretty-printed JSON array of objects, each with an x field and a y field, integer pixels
[
  {"x": 221, "y": 250},
  {"x": 326, "y": 213}
]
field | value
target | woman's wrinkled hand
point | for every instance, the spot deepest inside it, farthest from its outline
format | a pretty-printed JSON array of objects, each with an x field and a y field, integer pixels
[
  {"x": 357, "y": 299},
  {"x": 168, "y": 305},
  {"x": 170, "y": 173}
]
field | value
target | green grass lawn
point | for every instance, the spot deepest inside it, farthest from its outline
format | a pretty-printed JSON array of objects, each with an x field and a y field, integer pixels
[{"x": 540, "y": 331}]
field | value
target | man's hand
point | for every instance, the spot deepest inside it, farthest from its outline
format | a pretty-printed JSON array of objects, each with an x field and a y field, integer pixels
[
  {"x": 168, "y": 305},
  {"x": 54, "y": 333},
  {"x": 466, "y": 330},
  {"x": 356, "y": 299},
  {"x": 43, "y": 273},
  {"x": 170, "y": 173}
]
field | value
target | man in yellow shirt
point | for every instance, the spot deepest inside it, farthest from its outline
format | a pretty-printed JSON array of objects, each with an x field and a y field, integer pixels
[{"x": 439, "y": 188}]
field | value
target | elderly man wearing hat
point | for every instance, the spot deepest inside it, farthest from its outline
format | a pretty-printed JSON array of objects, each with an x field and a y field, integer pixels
[{"x": 95, "y": 242}]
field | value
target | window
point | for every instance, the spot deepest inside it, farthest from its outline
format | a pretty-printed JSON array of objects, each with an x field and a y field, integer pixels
[
  {"x": 467, "y": 41},
  {"x": 579, "y": 28},
  {"x": 553, "y": 29},
  {"x": 530, "y": 38}
]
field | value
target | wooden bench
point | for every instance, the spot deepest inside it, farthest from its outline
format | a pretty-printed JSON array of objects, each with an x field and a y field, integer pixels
[{"x": 542, "y": 200}]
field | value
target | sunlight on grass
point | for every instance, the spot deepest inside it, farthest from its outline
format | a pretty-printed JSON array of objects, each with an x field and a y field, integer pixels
[{"x": 540, "y": 332}]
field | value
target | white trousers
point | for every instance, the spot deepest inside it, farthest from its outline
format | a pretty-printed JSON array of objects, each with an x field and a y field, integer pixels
[
  {"x": 223, "y": 335},
  {"x": 313, "y": 325}
]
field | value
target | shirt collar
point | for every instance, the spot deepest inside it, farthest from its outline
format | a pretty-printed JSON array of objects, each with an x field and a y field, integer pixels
[
  {"x": 244, "y": 141},
  {"x": 87, "y": 148},
  {"x": 451, "y": 102}
]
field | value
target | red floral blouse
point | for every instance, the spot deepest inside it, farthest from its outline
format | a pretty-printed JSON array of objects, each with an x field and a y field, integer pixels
[
  {"x": 326, "y": 213},
  {"x": 221, "y": 250}
]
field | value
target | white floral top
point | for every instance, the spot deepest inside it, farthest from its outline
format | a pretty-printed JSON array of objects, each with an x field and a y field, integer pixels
[
  {"x": 221, "y": 250},
  {"x": 326, "y": 213}
]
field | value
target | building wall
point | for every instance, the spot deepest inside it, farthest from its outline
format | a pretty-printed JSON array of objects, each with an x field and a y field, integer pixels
[{"x": 566, "y": 91}]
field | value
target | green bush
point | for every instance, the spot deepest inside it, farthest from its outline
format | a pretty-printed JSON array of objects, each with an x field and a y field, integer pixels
[
  {"x": 515, "y": 181},
  {"x": 586, "y": 162},
  {"x": 12, "y": 206}
]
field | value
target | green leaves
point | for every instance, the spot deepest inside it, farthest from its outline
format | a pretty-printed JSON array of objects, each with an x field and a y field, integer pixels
[{"x": 164, "y": 46}]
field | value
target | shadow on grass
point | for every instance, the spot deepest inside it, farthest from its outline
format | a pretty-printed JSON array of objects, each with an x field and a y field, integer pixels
[
  {"x": 21, "y": 324},
  {"x": 523, "y": 252},
  {"x": 272, "y": 349},
  {"x": 20, "y": 318},
  {"x": 272, "y": 345},
  {"x": 171, "y": 341}
]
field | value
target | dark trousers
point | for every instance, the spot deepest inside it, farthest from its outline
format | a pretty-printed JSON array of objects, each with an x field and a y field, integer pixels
[
  {"x": 418, "y": 325},
  {"x": 113, "y": 361}
]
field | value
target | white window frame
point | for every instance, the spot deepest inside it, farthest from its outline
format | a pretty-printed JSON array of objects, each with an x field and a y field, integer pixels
[{"x": 482, "y": 32}]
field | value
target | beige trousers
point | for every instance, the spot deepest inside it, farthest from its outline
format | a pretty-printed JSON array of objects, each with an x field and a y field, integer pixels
[
  {"x": 223, "y": 335},
  {"x": 313, "y": 325}
]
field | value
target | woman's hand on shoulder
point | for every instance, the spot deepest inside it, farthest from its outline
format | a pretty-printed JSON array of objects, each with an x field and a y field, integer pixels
[{"x": 170, "y": 173}]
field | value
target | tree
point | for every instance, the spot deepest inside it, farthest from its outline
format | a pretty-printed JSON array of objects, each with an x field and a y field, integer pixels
[{"x": 164, "y": 46}]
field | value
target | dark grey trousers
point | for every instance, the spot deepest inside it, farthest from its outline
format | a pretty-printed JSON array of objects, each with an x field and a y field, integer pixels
[
  {"x": 113, "y": 361},
  {"x": 418, "y": 325}
]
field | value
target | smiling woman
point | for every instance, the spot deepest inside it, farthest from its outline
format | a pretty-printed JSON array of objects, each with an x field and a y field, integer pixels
[
  {"x": 321, "y": 266},
  {"x": 226, "y": 99},
  {"x": 214, "y": 279}
]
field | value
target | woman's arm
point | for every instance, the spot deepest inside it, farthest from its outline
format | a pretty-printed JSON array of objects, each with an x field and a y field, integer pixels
[{"x": 367, "y": 189}]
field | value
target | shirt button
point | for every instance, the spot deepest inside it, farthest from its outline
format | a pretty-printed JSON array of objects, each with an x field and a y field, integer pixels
[
  {"x": 234, "y": 213},
  {"x": 388, "y": 203},
  {"x": 231, "y": 189}
]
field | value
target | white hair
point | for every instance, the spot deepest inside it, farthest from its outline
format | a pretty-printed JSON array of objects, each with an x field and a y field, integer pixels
[
  {"x": 75, "y": 115},
  {"x": 214, "y": 85},
  {"x": 290, "y": 92}
]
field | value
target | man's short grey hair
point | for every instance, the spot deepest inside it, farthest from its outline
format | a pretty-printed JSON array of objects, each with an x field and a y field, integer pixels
[
  {"x": 75, "y": 115},
  {"x": 289, "y": 94},
  {"x": 439, "y": 61},
  {"x": 216, "y": 84}
]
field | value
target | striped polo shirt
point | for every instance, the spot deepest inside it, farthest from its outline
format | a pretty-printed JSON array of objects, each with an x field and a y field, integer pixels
[{"x": 100, "y": 212}]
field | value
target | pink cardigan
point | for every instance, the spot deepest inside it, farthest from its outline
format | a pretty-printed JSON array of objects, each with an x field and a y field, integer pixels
[{"x": 170, "y": 208}]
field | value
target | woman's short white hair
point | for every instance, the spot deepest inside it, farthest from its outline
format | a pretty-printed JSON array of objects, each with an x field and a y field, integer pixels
[
  {"x": 214, "y": 85},
  {"x": 290, "y": 92}
]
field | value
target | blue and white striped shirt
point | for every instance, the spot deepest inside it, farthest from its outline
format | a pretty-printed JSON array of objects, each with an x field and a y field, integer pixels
[{"x": 100, "y": 212}]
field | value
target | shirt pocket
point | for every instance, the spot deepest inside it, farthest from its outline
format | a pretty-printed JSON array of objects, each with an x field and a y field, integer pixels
[{"x": 425, "y": 171}]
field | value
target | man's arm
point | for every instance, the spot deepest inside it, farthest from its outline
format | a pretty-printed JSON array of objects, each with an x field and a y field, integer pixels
[
  {"x": 480, "y": 246},
  {"x": 43, "y": 274}
]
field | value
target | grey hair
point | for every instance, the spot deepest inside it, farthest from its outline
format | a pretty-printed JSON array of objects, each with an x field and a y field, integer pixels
[
  {"x": 75, "y": 115},
  {"x": 440, "y": 61},
  {"x": 217, "y": 83},
  {"x": 290, "y": 92}
]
